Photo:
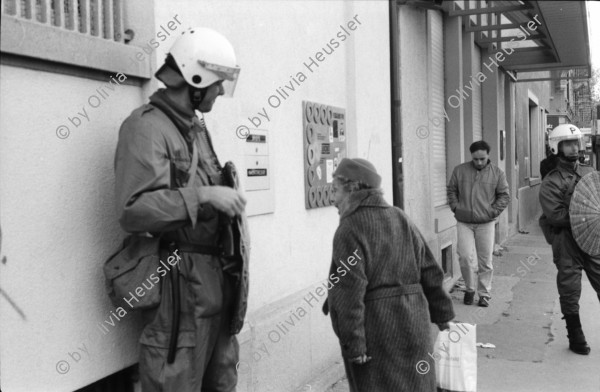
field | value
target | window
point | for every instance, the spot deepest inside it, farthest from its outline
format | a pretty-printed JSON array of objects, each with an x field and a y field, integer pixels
[
  {"x": 437, "y": 124},
  {"x": 97, "y": 17},
  {"x": 447, "y": 260},
  {"x": 87, "y": 33},
  {"x": 535, "y": 139}
]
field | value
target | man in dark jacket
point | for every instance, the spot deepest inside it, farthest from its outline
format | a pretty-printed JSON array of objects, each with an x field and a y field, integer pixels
[
  {"x": 477, "y": 194},
  {"x": 158, "y": 191},
  {"x": 555, "y": 197}
]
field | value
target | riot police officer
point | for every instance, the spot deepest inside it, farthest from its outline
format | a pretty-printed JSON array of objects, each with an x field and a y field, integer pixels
[
  {"x": 555, "y": 197},
  {"x": 169, "y": 182}
]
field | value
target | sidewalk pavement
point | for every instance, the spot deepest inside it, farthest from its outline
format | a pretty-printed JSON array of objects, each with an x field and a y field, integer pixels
[{"x": 524, "y": 323}]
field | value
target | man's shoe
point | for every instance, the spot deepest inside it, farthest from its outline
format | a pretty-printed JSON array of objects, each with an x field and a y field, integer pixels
[
  {"x": 577, "y": 342},
  {"x": 468, "y": 300},
  {"x": 484, "y": 302}
]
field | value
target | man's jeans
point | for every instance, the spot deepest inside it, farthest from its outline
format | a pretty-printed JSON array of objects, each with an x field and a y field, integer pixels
[{"x": 476, "y": 239}]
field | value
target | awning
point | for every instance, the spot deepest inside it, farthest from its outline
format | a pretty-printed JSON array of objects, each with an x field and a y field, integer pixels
[{"x": 539, "y": 35}]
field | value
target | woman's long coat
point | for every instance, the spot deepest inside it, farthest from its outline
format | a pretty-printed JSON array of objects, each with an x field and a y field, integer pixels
[{"x": 385, "y": 289}]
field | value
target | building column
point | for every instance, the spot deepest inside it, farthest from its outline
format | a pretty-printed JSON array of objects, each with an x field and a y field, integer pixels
[{"x": 510, "y": 162}]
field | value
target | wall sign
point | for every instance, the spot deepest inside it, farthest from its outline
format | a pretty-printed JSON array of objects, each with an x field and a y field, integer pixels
[{"x": 257, "y": 161}]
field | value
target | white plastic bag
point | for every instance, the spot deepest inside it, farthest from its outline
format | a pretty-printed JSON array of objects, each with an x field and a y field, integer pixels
[{"x": 455, "y": 355}]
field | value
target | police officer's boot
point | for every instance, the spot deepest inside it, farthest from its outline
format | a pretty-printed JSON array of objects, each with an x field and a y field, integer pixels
[{"x": 577, "y": 342}]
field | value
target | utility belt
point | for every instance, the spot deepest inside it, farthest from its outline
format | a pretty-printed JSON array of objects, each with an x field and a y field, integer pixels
[
  {"x": 227, "y": 264},
  {"x": 556, "y": 230},
  {"x": 223, "y": 238},
  {"x": 188, "y": 247}
]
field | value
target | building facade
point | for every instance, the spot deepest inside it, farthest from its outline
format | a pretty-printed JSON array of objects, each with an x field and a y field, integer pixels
[{"x": 415, "y": 81}]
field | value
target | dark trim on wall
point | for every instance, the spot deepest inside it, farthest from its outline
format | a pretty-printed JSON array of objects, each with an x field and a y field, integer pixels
[{"x": 65, "y": 69}]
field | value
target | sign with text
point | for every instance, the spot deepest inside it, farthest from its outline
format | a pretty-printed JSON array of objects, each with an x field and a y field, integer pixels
[{"x": 257, "y": 160}]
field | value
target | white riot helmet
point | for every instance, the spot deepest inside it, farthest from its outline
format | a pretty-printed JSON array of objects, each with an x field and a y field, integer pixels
[
  {"x": 204, "y": 57},
  {"x": 564, "y": 132}
]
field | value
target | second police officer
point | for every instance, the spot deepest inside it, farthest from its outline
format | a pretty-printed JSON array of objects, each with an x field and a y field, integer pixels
[{"x": 555, "y": 197}]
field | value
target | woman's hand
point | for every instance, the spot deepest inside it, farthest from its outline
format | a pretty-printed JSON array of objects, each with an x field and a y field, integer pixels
[
  {"x": 446, "y": 325},
  {"x": 325, "y": 308},
  {"x": 361, "y": 359}
]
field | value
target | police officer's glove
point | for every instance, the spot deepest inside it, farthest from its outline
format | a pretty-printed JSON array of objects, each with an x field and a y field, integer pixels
[{"x": 224, "y": 199}]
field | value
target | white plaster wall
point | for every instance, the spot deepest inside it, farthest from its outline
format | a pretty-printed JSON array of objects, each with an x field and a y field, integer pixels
[
  {"x": 56, "y": 196},
  {"x": 58, "y": 225}
]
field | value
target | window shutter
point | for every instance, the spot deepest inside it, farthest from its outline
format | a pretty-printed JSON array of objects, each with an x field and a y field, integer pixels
[{"x": 437, "y": 121}]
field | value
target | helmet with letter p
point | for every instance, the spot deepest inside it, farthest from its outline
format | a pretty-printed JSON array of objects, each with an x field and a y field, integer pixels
[
  {"x": 204, "y": 57},
  {"x": 564, "y": 132}
]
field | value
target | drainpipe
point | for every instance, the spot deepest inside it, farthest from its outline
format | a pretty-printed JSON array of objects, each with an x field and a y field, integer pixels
[{"x": 397, "y": 164}]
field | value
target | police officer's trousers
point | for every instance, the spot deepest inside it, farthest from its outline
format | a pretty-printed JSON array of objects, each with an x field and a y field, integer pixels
[
  {"x": 570, "y": 261},
  {"x": 207, "y": 353}
]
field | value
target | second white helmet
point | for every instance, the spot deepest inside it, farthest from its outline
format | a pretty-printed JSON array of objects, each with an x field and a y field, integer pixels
[
  {"x": 561, "y": 133},
  {"x": 204, "y": 57}
]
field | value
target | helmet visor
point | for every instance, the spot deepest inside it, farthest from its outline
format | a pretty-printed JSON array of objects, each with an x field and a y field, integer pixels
[
  {"x": 579, "y": 138},
  {"x": 229, "y": 75}
]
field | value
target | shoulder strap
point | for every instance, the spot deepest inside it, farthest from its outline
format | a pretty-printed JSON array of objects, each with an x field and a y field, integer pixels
[
  {"x": 194, "y": 165},
  {"x": 571, "y": 188},
  {"x": 208, "y": 138},
  {"x": 573, "y": 182}
]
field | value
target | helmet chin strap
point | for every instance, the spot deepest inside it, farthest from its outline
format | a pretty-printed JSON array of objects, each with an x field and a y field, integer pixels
[
  {"x": 196, "y": 96},
  {"x": 568, "y": 158}
]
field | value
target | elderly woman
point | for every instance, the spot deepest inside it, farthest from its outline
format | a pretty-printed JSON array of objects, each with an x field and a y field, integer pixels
[{"x": 384, "y": 287}]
